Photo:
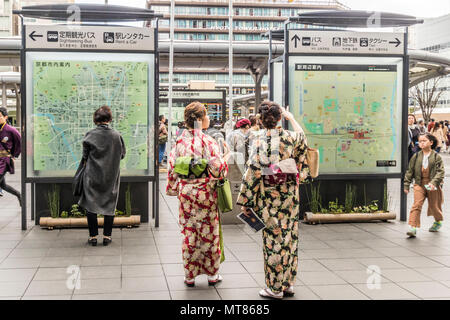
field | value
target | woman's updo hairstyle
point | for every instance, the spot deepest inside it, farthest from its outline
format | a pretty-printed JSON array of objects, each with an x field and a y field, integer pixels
[
  {"x": 270, "y": 114},
  {"x": 195, "y": 111}
]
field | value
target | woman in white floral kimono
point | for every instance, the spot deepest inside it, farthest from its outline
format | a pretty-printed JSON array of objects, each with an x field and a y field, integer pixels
[
  {"x": 271, "y": 188},
  {"x": 196, "y": 190}
]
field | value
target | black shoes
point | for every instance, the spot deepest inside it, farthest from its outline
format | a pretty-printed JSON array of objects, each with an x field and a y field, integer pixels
[
  {"x": 106, "y": 241},
  {"x": 92, "y": 242}
]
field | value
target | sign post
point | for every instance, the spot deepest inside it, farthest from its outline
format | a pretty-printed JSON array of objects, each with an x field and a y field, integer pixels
[{"x": 68, "y": 72}]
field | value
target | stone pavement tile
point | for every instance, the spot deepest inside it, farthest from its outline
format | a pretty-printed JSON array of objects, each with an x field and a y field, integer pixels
[
  {"x": 379, "y": 243},
  {"x": 251, "y": 246},
  {"x": 342, "y": 264},
  {"x": 48, "y": 288},
  {"x": 100, "y": 272},
  {"x": 313, "y": 244},
  {"x": 69, "y": 244},
  {"x": 322, "y": 253},
  {"x": 171, "y": 257},
  {"x": 144, "y": 284},
  {"x": 311, "y": 278},
  {"x": 357, "y": 276},
  {"x": 11, "y": 236},
  {"x": 173, "y": 269},
  {"x": 310, "y": 265},
  {"x": 5, "y": 253},
  {"x": 113, "y": 249},
  {"x": 437, "y": 274},
  {"x": 431, "y": 251},
  {"x": 331, "y": 235},
  {"x": 248, "y": 255},
  {"x": 166, "y": 240},
  {"x": 140, "y": 259},
  {"x": 417, "y": 262},
  {"x": 66, "y": 252},
  {"x": 13, "y": 288},
  {"x": 142, "y": 241},
  {"x": 60, "y": 262},
  {"x": 28, "y": 253},
  {"x": 157, "y": 295},
  {"x": 382, "y": 263},
  {"x": 48, "y": 274},
  {"x": 195, "y": 295},
  {"x": 404, "y": 275},
  {"x": 8, "y": 244},
  {"x": 35, "y": 244},
  {"x": 169, "y": 249},
  {"x": 393, "y": 236},
  {"x": 306, "y": 237},
  {"x": 62, "y": 297},
  {"x": 237, "y": 281},
  {"x": 93, "y": 286},
  {"x": 101, "y": 261},
  {"x": 20, "y": 263},
  {"x": 359, "y": 253},
  {"x": 387, "y": 291},
  {"x": 397, "y": 252},
  {"x": 142, "y": 271},
  {"x": 10, "y": 275},
  {"x": 144, "y": 250},
  {"x": 410, "y": 243},
  {"x": 240, "y": 294},
  {"x": 232, "y": 267},
  {"x": 427, "y": 289},
  {"x": 338, "y": 292},
  {"x": 253, "y": 266},
  {"x": 10, "y": 298},
  {"x": 445, "y": 260},
  {"x": 344, "y": 228},
  {"x": 136, "y": 234}
]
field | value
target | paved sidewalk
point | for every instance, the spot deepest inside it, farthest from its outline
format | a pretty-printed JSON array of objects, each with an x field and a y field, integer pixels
[{"x": 145, "y": 262}]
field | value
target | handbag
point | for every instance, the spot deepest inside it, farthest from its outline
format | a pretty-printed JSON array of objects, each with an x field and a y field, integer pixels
[
  {"x": 77, "y": 184},
  {"x": 224, "y": 197},
  {"x": 312, "y": 158},
  {"x": 162, "y": 139},
  {"x": 222, "y": 253}
]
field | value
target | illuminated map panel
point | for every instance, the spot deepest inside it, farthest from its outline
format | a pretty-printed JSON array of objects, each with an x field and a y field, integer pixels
[
  {"x": 66, "y": 91},
  {"x": 350, "y": 110}
]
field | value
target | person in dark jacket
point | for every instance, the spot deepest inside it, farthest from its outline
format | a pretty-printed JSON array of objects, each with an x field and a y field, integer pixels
[
  {"x": 9, "y": 148},
  {"x": 103, "y": 148}
]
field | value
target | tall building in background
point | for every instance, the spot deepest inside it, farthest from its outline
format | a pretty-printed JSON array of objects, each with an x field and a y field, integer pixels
[
  {"x": 434, "y": 36},
  {"x": 200, "y": 20},
  {"x": 6, "y": 17}
]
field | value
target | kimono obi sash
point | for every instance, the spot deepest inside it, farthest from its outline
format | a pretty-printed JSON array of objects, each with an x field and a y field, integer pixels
[
  {"x": 280, "y": 173},
  {"x": 188, "y": 168}
]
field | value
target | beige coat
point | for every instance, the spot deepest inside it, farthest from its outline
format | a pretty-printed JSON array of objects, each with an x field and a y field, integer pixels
[{"x": 439, "y": 134}]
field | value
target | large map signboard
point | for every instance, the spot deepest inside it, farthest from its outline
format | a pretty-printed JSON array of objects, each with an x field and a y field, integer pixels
[
  {"x": 66, "y": 89},
  {"x": 350, "y": 109}
]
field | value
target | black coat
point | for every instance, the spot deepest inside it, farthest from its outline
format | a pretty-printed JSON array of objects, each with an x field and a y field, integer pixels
[{"x": 103, "y": 148}]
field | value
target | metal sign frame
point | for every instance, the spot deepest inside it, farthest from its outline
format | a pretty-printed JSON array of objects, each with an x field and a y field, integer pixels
[
  {"x": 404, "y": 108},
  {"x": 153, "y": 178}
]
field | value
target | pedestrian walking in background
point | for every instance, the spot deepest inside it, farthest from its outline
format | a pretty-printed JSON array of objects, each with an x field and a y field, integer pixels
[
  {"x": 162, "y": 137},
  {"x": 254, "y": 122},
  {"x": 439, "y": 134},
  {"x": 103, "y": 148},
  {"x": 426, "y": 168},
  {"x": 271, "y": 188},
  {"x": 413, "y": 136},
  {"x": 180, "y": 129},
  {"x": 238, "y": 140},
  {"x": 421, "y": 126},
  {"x": 10, "y": 147},
  {"x": 195, "y": 164},
  {"x": 430, "y": 125}
]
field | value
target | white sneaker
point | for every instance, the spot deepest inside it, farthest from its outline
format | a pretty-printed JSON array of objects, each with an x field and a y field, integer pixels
[
  {"x": 1, "y": 193},
  {"x": 267, "y": 293},
  {"x": 412, "y": 232},
  {"x": 212, "y": 280}
]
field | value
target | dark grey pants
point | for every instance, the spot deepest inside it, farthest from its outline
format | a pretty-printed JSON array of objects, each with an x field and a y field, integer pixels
[
  {"x": 6, "y": 187},
  {"x": 93, "y": 225}
]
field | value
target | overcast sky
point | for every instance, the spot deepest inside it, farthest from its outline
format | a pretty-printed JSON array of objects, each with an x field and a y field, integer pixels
[{"x": 418, "y": 8}]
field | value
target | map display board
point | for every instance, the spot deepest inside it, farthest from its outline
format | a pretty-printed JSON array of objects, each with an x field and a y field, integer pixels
[
  {"x": 64, "y": 91},
  {"x": 350, "y": 109}
]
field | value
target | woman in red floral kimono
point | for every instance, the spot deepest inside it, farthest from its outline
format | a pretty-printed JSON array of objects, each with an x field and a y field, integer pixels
[{"x": 194, "y": 182}]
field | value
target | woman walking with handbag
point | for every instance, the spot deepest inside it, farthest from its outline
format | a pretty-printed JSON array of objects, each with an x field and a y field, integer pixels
[
  {"x": 195, "y": 164},
  {"x": 9, "y": 149},
  {"x": 271, "y": 188},
  {"x": 103, "y": 148}
]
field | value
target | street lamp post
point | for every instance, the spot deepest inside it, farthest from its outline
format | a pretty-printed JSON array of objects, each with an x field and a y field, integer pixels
[{"x": 230, "y": 61}]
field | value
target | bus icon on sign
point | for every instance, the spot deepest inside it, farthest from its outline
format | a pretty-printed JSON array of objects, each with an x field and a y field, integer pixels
[
  {"x": 52, "y": 36},
  {"x": 108, "y": 37},
  {"x": 306, "y": 41}
]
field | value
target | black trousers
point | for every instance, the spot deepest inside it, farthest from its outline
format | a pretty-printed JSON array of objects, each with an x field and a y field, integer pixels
[
  {"x": 6, "y": 187},
  {"x": 93, "y": 225}
]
